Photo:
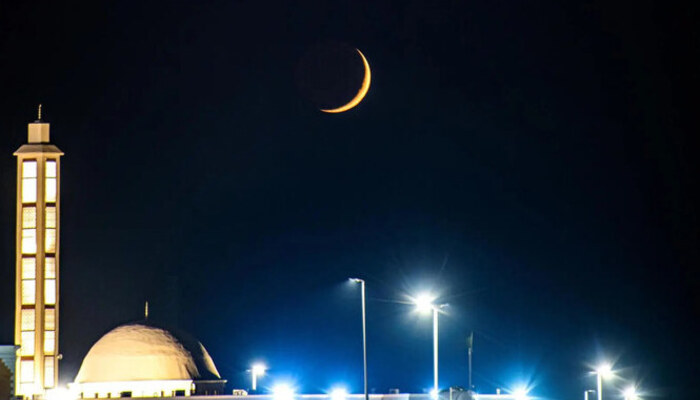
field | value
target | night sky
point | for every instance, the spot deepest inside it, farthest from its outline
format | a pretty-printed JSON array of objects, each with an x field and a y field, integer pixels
[{"x": 530, "y": 162}]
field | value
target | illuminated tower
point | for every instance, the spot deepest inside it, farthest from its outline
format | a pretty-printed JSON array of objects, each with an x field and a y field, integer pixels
[{"x": 36, "y": 301}]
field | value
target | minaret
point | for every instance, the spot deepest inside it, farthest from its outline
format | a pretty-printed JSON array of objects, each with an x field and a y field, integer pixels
[{"x": 37, "y": 254}]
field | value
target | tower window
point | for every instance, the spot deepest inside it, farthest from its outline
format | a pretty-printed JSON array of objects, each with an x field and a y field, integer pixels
[
  {"x": 50, "y": 291},
  {"x": 28, "y": 291},
  {"x": 50, "y": 217},
  {"x": 50, "y": 240},
  {"x": 50, "y": 193},
  {"x": 27, "y": 319},
  {"x": 27, "y": 343},
  {"x": 28, "y": 241},
  {"x": 28, "y": 181},
  {"x": 48, "y": 372},
  {"x": 50, "y": 268},
  {"x": 50, "y": 319},
  {"x": 50, "y": 168},
  {"x": 49, "y": 342},
  {"x": 26, "y": 371},
  {"x": 29, "y": 217},
  {"x": 28, "y": 268}
]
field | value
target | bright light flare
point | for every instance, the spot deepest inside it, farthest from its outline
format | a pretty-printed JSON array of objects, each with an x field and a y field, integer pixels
[
  {"x": 520, "y": 394},
  {"x": 630, "y": 393},
  {"x": 259, "y": 369},
  {"x": 283, "y": 391},
  {"x": 339, "y": 393},
  {"x": 434, "y": 394},
  {"x": 59, "y": 394},
  {"x": 424, "y": 302},
  {"x": 604, "y": 370}
]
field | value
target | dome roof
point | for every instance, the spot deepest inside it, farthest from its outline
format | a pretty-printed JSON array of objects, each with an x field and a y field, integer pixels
[{"x": 141, "y": 351}]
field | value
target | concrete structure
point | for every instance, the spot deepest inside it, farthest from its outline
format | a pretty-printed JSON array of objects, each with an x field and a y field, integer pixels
[
  {"x": 37, "y": 261},
  {"x": 146, "y": 360},
  {"x": 8, "y": 358}
]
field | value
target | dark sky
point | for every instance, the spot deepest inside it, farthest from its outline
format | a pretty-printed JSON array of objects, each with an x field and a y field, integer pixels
[{"x": 528, "y": 161}]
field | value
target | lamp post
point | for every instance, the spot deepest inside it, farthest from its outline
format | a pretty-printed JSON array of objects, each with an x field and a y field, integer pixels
[
  {"x": 585, "y": 394},
  {"x": 364, "y": 332},
  {"x": 603, "y": 371},
  {"x": 255, "y": 371},
  {"x": 425, "y": 303}
]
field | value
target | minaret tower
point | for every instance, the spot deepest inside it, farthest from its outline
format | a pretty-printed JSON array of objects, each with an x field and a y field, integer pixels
[{"x": 37, "y": 254}]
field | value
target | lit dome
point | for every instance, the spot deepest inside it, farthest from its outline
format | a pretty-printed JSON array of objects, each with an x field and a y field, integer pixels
[{"x": 143, "y": 352}]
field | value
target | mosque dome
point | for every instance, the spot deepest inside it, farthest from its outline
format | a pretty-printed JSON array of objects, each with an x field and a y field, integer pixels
[{"x": 144, "y": 352}]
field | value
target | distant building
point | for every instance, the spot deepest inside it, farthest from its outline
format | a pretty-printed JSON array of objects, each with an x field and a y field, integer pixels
[
  {"x": 8, "y": 358},
  {"x": 146, "y": 360}
]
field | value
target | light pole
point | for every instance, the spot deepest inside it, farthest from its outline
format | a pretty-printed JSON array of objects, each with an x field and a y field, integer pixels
[
  {"x": 585, "y": 394},
  {"x": 364, "y": 331},
  {"x": 425, "y": 303},
  {"x": 603, "y": 371},
  {"x": 255, "y": 371}
]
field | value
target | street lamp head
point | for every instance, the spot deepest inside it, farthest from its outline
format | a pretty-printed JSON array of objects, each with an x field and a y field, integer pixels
[
  {"x": 259, "y": 369},
  {"x": 604, "y": 370},
  {"x": 424, "y": 302},
  {"x": 630, "y": 393},
  {"x": 356, "y": 280}
]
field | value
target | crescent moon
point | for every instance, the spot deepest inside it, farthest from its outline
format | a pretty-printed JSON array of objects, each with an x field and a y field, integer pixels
[{"x": 360, "y": 94}]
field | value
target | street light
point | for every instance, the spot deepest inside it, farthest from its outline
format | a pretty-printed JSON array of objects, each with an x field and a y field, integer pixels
[
  {"x": 631, "y": 393},
  {"x": 424, "y": 302},
  {"x": 602, "y": 371},
  {"x": 256, "y": 371},
  {"x": 585, "y": 394},
  {"x": 520, "y": 394},
  {"x": 282, "y": 391},
  {"x": 364, "y": 331},
  {"x": 339, "y": 393}
]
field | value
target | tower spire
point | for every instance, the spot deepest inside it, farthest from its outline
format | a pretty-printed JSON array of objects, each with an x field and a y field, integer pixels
[
  {"x": 145, "y": 313},
  {"x": 39, "y": 116}
]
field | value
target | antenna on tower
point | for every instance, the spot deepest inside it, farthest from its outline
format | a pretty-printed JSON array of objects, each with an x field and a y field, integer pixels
[
  {"x": 146, "y": 312},
  {"x": 39, "y": 116}
]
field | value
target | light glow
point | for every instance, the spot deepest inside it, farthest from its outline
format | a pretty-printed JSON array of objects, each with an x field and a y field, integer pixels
[
  {"x": 434, "y": 394},
  {"x": 26, "y": 368},
  {"x": 520, "y": 394},
  {"x": 259, "y": 369},
  {"x": 256, "y": 371},
  {"x": 149, "y": 388},
  {"x": 630, "y": 393},
  {"x": 59, "y": 394},
  {"x": 283, "y": 391},
  {"x": 48, "y": 371},
  {"x": 339, "y": 393},
  {"x": 604, "y": 370},
  {"x": 424, "y": 302}
]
